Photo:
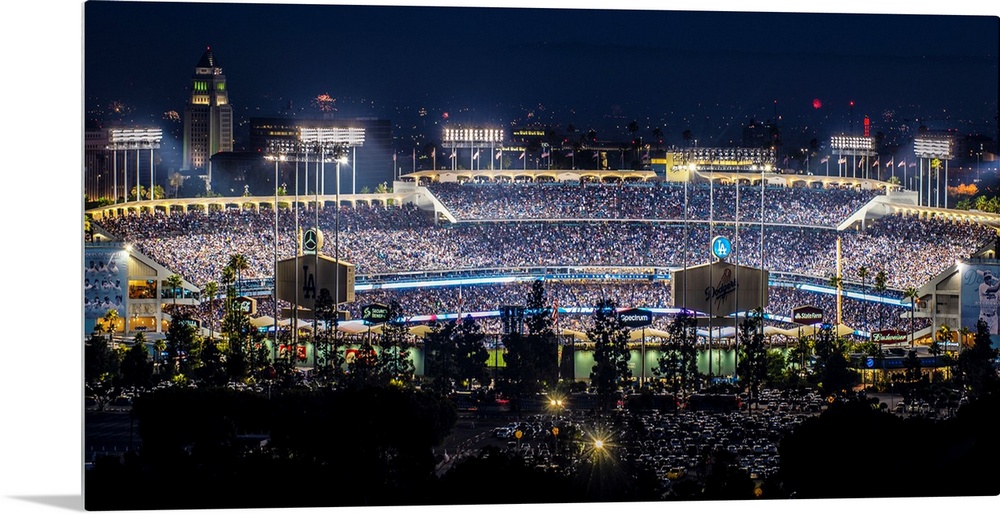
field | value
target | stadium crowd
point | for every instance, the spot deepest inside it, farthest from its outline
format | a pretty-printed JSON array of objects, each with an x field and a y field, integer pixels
[
  {"x": 825, "y": 207},
  {"x": 197, "y": 245}
]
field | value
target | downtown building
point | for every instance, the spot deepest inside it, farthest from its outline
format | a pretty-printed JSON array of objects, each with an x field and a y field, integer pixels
[{"x": 208, "y": 116}]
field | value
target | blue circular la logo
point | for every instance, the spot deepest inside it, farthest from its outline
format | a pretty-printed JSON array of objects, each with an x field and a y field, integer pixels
[
  {"x": 721, "y": 247},
  {"x": 870, "y": 362}
]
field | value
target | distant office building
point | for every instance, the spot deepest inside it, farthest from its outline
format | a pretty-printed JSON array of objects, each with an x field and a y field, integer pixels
[
  {"x": 758, "y": 134},
  {"x": 238, "y": 173},
  {"x": 367, "y": 165},
  {"x": 98, "y": 178},
  {"x": 208, "y": 116}
]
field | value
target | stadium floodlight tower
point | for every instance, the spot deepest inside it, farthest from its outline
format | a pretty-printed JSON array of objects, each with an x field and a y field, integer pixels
[
  {"x": 277, "y": 152},
  {"x": 933, "y": 149},
  {"x": 855, "y": 146},
  {"x": 133, "y": 139},
  {"x": 335, "y": 143},
  {"x": 334, "y": 140},
  {"x": 474, "y": 138}
]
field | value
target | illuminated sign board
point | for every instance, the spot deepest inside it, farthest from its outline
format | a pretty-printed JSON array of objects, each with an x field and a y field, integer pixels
[
  {"x": 720, "y": 288},
  {"x": 375, "y": 313},
  {"x": 246, "y": 305},
  {"x": 807, "y": 315},
  {"x": 635, "y": 318},
  {"x": 889, "y": 337},
  {"x": 304, "y": 278}
]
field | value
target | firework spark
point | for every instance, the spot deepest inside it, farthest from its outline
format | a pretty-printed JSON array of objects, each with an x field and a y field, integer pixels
[{"x": 324, "y": 102}]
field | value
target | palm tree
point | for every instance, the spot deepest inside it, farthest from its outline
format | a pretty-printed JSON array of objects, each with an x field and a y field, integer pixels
[
  {"x": 238, "y": 262},
  {"x": 964, "y": 333},
  {"x": 863, "y": 274},
  {"x": 210, "y": 290},
  {"x": 159, "y": 345},
  {"x": 228, "y": 280},
  {"x": 633, "y": 127},
  {"x": 837, "y": 282},
  {"x": 943, "y": 334},
  {"x": 176, "y": 180},
  {"x": 880, "y": 287},
  {"x": 174, "y": 283},
  {"x": 658, "y": 136},
  {"x": 111, "y": 319},
  {"x": 911, "y": 293}
]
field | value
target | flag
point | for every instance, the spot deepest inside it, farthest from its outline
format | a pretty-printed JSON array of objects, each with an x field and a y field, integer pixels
[
  {"x": 861, "y": 162},
  {"x": 824, "y": 159},
  {"x": 433, "y": 152},
  {"x": 842, "y": 160},
  {"x": 913, "y": 165},
  {"x": 545, "y": 154},
  {"x": 521, "y": 156},
  {"x": 902, "y": 164},
  {"x": 888, "y": 164},
  {"x": 453, "y": 155},
  {"x": 595, "y": 155},
  {"x": 875, "y": 163},
  {"x": 475, "y": 155},
  {"x": 569, "y": 154},
  {"x": 555, "y": 309},
  {"x": 394, "y": 157},
  {"x": 497, "y": 156}
]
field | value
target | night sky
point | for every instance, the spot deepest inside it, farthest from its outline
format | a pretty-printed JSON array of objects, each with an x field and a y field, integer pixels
[{"x": 597, "y": 69}]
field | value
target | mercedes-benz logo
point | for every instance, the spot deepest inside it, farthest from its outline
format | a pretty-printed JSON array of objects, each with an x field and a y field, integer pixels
[{"x": 309, "y": 240}]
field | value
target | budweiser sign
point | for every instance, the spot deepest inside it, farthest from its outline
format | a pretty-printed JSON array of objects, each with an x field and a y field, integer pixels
[{"x": 889, "y": 336}]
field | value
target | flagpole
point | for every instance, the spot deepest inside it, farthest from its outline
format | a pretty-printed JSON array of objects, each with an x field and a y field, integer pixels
[
  {"x": 920, "y": 182},
  {"x": 711, "y": 279},
  {"x": 736, "y": 277}
]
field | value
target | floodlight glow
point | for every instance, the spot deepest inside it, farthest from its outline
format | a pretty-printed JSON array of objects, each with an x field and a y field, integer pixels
[
  {"x": 352, "y": 136},
  {"x": 933, "y": 147},
  {"x": 473, "y": 135},
  {"x": 143, "y": 137}
]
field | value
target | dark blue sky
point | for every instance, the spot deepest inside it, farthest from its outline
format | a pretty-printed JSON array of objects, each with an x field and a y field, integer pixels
[{"x": 704, "y": 71}]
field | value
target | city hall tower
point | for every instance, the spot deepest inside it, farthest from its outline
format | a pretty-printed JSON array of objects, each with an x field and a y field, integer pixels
[{"x": 208, "y": 117}]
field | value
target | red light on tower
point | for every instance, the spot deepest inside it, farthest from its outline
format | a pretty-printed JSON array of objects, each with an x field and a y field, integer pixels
[{"x": 868, "y": 127}]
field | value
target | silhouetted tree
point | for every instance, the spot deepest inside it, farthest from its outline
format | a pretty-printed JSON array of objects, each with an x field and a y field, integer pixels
[{"x": 611, "y": 353}]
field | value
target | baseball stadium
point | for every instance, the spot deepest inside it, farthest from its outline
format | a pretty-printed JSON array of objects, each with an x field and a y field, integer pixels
[{"x": 870, "y": 262}]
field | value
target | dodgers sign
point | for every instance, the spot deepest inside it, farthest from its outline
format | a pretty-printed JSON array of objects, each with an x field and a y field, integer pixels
[{"x": 721, "y": 247}]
